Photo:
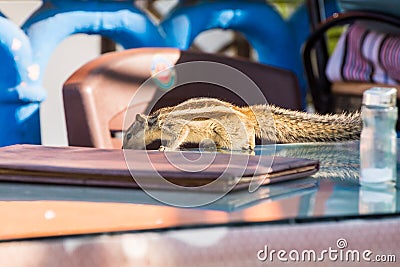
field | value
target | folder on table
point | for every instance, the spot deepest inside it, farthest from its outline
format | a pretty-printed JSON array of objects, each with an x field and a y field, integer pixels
[{"x": 113, "y": 167}]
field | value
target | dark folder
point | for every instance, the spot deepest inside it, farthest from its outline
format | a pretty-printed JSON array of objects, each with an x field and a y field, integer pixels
[{"x": 111, "y": 167}]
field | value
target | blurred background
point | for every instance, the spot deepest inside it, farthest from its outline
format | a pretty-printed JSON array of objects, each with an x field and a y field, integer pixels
[{"x": 78, "y": 49}]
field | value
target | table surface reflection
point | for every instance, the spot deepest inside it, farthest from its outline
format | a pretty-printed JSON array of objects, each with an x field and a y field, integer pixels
[{"x": 29, "y": 211}]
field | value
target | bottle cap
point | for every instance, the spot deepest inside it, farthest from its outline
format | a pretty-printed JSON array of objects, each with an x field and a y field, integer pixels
[{"x": 380, "y": 97}]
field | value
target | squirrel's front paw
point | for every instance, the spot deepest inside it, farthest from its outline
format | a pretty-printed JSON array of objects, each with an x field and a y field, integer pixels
[{"x": 164, "y": 148}]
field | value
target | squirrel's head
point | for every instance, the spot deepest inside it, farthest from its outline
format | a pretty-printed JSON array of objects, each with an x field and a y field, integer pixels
[
  {"x": 134, "y": 137},
  {"x": 142, "y": 132}
]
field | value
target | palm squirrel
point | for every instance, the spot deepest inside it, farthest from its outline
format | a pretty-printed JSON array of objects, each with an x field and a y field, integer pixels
[{"x": 231, "y": 127}]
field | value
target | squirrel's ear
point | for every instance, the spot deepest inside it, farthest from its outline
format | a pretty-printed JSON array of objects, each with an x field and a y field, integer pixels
[{"x": 140, "y": 118}]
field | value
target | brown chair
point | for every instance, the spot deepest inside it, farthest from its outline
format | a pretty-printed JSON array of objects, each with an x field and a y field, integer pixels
[{"x": 97, "y": 96}]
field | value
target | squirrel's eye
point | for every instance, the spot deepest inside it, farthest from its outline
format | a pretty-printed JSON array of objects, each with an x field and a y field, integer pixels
[{"x": 129, "y": 136}]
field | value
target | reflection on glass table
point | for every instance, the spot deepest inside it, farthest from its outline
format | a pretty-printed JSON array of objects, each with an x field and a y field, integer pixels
[
  {"x": 339, "y": 167},
  {"x": 338, "y": 161},
  {"x": 232, "y": 201}
]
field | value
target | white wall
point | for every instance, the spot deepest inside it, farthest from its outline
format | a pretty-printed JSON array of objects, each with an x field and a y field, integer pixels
[{"x": 68, "y": 57}]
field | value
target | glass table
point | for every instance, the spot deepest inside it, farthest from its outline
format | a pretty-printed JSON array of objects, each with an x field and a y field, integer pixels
[{"x": 129, "y": 226}]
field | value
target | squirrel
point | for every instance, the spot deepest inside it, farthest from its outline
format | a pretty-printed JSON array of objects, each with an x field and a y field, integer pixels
[{"x": 227, "y": 126}]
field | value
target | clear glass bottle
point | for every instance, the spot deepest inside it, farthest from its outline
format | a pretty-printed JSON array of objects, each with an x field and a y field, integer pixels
[{"x": 378, "y": 137}]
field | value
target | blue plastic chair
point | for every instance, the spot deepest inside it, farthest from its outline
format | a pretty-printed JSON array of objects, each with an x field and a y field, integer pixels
[{"x": 261, "y": 24}]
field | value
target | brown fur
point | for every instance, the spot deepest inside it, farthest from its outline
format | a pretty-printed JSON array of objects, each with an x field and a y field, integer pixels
[{"x": 231, "y": 127}]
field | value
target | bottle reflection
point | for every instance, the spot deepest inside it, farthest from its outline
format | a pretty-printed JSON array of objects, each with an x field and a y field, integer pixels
[{"x": 377, "y": 200}]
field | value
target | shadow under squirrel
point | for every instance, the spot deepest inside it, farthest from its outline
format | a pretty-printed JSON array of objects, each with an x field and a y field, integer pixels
[{"x": 226, "y": 126}]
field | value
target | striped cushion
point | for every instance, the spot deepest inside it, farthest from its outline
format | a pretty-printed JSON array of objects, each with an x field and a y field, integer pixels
[{"x": 366, "y": 56}]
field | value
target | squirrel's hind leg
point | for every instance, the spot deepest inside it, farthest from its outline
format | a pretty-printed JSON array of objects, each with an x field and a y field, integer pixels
[{"x": 233, "y": 137}]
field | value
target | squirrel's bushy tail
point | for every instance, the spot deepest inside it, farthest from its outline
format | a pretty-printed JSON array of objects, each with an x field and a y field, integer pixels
[{"x": 290, "y": 126}]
